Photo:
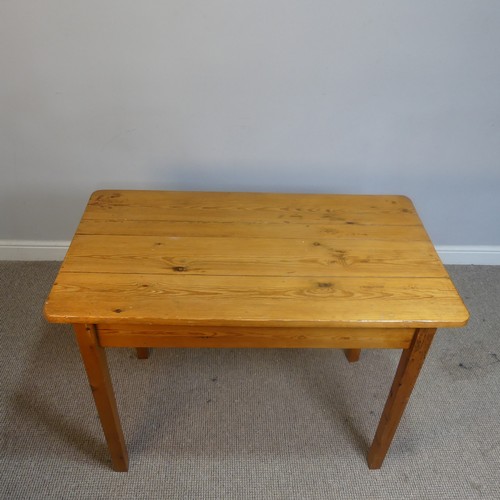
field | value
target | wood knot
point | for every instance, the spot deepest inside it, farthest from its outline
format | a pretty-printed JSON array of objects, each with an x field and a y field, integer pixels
[
  {"x": 179, "y": 269},
  {"x": 324, "y": 285}
]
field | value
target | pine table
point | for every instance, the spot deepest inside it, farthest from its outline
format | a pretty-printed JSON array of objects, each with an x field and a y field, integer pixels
[{"x": 152, "y": 269}]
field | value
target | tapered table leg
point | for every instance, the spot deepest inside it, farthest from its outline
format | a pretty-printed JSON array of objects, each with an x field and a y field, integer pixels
[
  {"x": 142, "y": 352},
  {"x": 352, "y": 355},
  {"x": 409, "y": 367},
  {"x": 94, "y": 359}
]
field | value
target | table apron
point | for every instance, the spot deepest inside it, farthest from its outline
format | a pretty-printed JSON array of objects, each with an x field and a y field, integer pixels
[{"x": 137, "y": 335}]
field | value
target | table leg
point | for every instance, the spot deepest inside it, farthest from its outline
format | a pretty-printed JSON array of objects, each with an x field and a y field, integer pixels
[
  {"x": 409, "y": 367},
  {"x": 142, "y": 352},
  {"x": 94, "y": 359},
  {"x": 352, "y": 355}
]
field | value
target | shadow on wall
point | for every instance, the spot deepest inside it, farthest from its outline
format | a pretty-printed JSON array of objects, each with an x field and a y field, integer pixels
[{"x": 270, "y": 178}]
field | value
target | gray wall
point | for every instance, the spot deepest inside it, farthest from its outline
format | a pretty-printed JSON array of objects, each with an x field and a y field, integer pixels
[{"x": 288, "y": 95}]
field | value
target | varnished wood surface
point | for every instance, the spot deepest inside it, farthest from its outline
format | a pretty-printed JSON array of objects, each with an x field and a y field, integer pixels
[
  {"x": 254, "y": 301},
  {"x": 142, "y": 353},
  {"x": 248, "y": 259},
  {"x": 96, "y": 366},
  {"x": 118, "y": 335},
  {"x": 252, "y": 256},
  {"x": 406, "y": 376},
  {"x": 250, "y": 207},
  {"x": 353, "y": 355}
]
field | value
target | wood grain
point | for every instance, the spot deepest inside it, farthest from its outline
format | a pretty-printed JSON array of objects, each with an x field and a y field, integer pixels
[
  {"x": 237, "y": 229},
  {"x": 406, "y": 376},
  {"x": 253, "y": 259},
  {"x": 140, "y": 335},
  {"x": 255, "y": 207},
  {"x": 255, "y": 301},
  {"x": 252, "y": 256},
  {"x": 94, "y": 360}
]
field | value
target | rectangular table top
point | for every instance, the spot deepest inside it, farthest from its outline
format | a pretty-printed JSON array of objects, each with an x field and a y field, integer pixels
[{"x": 253, "y": 259}]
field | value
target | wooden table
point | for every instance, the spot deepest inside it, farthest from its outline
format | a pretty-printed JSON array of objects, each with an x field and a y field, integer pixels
[{"x": 193, "y": 269}]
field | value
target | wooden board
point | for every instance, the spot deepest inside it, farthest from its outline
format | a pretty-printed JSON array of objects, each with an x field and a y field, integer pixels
[
  {"x": 256, "y": 301},
  {"x": 236, "y": 229},
  {"x": 251, "y": 207},
  {"x": 117, "y": 335},
  {"x": 232, "y": 256},
  {"x": 253, "y": 259}
]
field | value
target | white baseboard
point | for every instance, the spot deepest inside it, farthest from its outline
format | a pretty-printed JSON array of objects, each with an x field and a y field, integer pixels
[
  {"x": 33, "y": 250},
  {"x": 480, "y": 255},
  {"x": 56, "y": 250}
]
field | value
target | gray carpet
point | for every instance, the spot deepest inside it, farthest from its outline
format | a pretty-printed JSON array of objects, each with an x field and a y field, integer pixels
[{"x": 246, "y": 424}]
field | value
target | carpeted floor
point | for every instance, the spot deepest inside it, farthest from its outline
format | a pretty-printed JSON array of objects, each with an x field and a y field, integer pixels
[{"x": 246, "y": 424}]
